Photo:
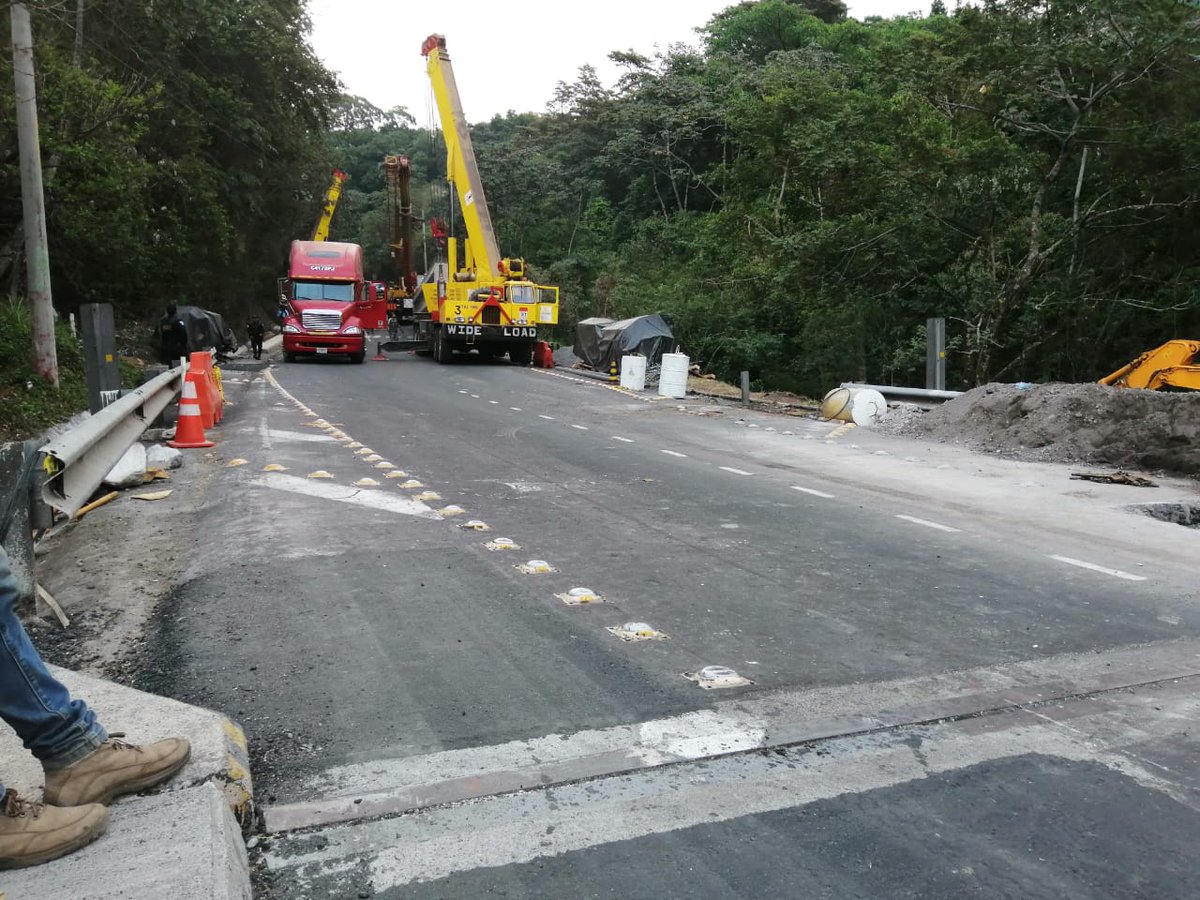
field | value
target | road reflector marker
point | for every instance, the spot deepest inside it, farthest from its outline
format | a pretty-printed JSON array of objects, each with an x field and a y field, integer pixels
[
  {"x": 475, "y": 525},
  {"x": 368, "y": 482},
  {"x": 535, "y": 567},
  {"x": 502, "y": 543},
  {"x": 365, "y": 451},
  {"x": 234, "y": 463},
  {"x": 578, "y": 596},
  {"x": 637, "y": 631},
  {"x": 320, "y": 473},
  {"x": 395, "y": 473},
  {"x": 274, "y": 467},
  {"x": 374, "y": 457},
  {"x": 451, "y": 510},
  {"x": 427, "y": 496},
  {"x": 384, "y": 464},
  {"x": 320, "y": 423},
  {"x": 714, "y": 677},
  {"x": 353, "y": 445},
  {"x": 412, "y": 484}
]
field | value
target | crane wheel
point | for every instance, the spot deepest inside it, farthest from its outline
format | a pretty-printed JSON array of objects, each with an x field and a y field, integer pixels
[{"x": 442, "y": 352}]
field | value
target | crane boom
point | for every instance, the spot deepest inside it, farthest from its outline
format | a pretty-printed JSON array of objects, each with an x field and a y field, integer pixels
[
  {"x": 332, "y": 193},
  {"x": 397, "y": 173},
  {"x": 482, "y": 253}
]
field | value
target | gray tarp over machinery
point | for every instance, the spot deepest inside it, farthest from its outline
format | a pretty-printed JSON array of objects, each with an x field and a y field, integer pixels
[
  {"x": 600, "y": 342},
  {"x": 206, "y": 330}
]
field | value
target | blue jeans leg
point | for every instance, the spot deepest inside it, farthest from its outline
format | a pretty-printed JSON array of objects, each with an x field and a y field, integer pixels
[{"x": 54, "y": 728}]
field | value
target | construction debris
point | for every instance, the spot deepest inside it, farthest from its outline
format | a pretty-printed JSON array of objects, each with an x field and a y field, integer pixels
[{"x": 1117, "y": 477}]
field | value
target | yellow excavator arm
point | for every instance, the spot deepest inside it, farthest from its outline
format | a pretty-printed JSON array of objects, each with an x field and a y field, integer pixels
[{"x": 1174, "y": 364}]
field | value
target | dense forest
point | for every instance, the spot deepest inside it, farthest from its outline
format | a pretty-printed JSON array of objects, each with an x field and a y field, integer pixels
[{"x": 799, "y": 192}]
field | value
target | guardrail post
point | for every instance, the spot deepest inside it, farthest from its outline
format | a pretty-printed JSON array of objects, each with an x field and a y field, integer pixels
[
  {"x": 935, "y": 350},
  {"x": 15, "y": 461},
  {"x": 745, "y": 389},
  {"x": 100, "y": 355}
]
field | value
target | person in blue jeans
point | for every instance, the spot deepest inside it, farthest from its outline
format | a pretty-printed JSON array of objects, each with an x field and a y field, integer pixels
[{"x": 85, "y": 766}]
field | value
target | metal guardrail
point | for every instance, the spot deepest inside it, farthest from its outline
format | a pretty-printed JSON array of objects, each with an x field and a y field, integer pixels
[
  {"x": 904, "y": 393},
  {"x": 77, "y": 460}
]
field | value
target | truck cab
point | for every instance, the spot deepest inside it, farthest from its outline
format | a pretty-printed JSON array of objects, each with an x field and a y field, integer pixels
[{"x": 328, "y": 305}]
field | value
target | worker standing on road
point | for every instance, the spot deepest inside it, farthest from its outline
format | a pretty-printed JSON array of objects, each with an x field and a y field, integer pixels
[
  {"x": 256, "y": 331},
  {"x": 85, "y": 766},
  {"x": 172, "y": 337}
]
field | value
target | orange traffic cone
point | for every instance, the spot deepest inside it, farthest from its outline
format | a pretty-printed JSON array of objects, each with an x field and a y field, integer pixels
[{"x": 189, "y": 432}]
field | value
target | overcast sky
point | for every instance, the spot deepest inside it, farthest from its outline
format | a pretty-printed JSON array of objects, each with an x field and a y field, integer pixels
[{"x": 506, "y": 55}]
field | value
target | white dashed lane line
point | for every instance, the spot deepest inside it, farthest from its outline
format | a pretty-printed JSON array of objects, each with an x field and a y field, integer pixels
[
  {"x": 1116, "y": 573},
  {"x": 928, "y": 524},
  {"x": 580, "y": 427},
  {"x": 815, "y": 493},
  {"x": 497, "y": 402},
  {"x": 515, "y": 408},
  {"x": 674, "y": 453},
  {"x": 734, "y": 471},
  {"x": 547, "y": 418},
  {"x": 623, "y": 440}
]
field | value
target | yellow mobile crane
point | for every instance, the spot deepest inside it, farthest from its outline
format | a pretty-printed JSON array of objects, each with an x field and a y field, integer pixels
[
  {"x": 332, "y": 193},
  {"x": 487, "y": 303}
]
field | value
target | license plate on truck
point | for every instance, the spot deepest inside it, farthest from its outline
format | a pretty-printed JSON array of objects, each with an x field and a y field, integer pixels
[{"x": 322, "y": 350}]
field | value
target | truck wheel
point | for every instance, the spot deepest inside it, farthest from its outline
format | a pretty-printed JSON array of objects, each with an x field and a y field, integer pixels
[
  {"x": 442, "y": 351},
  {"x": 357, "y": 358},
  {"x": 289, "y": 357},
  {"x": 522, "y": 355}
]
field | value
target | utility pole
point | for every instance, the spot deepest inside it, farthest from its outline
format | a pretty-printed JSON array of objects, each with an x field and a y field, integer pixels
[{"x": 37, "y": 253}]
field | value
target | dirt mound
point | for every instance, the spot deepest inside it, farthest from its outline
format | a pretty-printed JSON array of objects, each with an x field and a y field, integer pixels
[{"x": 1073, "y": 423}]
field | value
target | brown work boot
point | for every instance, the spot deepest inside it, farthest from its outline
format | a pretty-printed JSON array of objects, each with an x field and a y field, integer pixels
[
  {"x": 32, "y": 833},
  {"x": 116, "y": 768}
]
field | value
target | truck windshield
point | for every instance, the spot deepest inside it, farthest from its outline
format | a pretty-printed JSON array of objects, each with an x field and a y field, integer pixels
[
  {"x": 521, "y": 293},
  {"x": 322, "y": 290}
]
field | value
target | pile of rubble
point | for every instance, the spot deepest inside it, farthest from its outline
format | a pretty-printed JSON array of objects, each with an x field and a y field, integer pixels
[{"x": 1089, "y": 423}]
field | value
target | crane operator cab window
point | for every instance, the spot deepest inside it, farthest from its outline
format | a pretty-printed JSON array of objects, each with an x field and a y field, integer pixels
[
  {"x": 323, "y": 290},
  {"x": 522, "y": 293}
]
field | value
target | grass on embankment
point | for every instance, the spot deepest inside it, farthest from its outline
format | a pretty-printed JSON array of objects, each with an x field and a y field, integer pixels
[{"x": 28, "y": 405}]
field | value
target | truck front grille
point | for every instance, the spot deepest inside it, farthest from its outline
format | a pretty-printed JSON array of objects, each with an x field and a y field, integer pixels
[{"x": 321, "y": 319}]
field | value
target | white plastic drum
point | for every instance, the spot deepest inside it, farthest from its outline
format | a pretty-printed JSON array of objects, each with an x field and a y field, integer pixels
[
  {"x": 867, "y": 407},
  {"x": 673, "y": 380},
  {"x": 633, "y": 373}
]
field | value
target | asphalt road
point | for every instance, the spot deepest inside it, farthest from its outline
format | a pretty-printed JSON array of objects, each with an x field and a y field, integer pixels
[{"x": 381, "y": 658}]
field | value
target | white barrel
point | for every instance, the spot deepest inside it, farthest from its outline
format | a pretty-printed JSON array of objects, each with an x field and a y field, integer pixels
[
  {"x": 673, "y": 380},
  {"x": 633, "y": 373}
]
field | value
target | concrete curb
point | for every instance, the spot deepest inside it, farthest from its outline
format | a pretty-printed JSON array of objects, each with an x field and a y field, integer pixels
[
  {"x": 219, "y": 753},
  {"x": 182, "y": 845}
]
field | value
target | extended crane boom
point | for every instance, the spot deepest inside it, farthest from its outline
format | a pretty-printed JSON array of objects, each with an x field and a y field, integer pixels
[
  {"x": 332, "y": 193},
  {"x": 397, "y": 174}
]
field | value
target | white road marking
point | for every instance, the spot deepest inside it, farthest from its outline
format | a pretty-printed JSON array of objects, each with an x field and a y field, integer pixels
[
  {"x": 299, "y": 436},
  {"x": 928, "y": 524},
  {"x": 1116, "y": 573},
  {"x": 815, "y": 493},
  {"x": 623, "y": 440},
  {"x": 734, "y": 471},
  {"x": 394, "y": 503},
  {"x": 474, "y": 396},
  {"x": 515, "y": 408},
  {"x": 547, "y": 418},
  {"x": 497, "y": 402},
  {"x": 673, "y": 453},
  {"x": 580, "y": 427},
  {"x": 463, "y": 392}
]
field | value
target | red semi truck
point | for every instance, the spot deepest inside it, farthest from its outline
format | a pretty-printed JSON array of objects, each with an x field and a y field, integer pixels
[{"x": 328, "y": 305}]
